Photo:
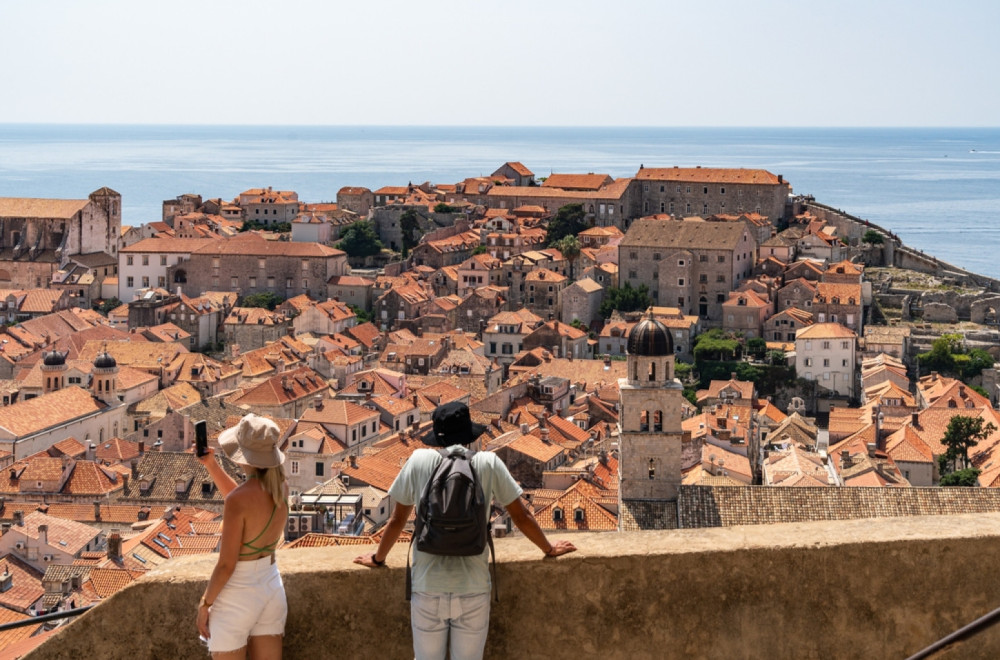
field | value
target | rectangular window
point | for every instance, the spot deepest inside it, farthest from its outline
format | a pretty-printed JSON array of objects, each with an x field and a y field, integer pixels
[
  {"x": 632, "y": 275},
  {"x": 253, "y": 282},
  {"x": 319, "y": 469},
  {"x": 130, "y": 281},
  {"x": 215, "y": 262},
  {"x": 161, "y": 281},
  {"x": 145, "y": 260},
  {"x": 722, "y": 258},
  {"x": 129, "y": 260},
  {"x": 703, "y": 277},
  {"x": 845, "y": 345},
  {"x": 826, "y": 362},
  {"x": 295, "y": 467},
  {"x": 720, "y": 278},
  {"x": 680, "y": 281},
  {"x": 826, "y": 346},
  {"x": 288, "y": 283},
  {"x": 234, "y": 281},
  {"x": 261, "y": 264},
  {"x": 145, "y": 280},
  {"x": 270, "y": 282},
  {"x": 702, "y": 257},
  {"x": 633, "y": 255}
]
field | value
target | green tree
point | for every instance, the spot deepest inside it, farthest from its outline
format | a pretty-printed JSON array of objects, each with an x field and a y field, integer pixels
[
  {"x": 873, "y": 237},
  {"x": 441, "y": 207},
  {"x": 570, "y": 246},
  {"x": 962, "y": 433},
  {"x": 409, "y": 223},
  {"x": 971, "y": 364},
  {"x": 625, "y": 299},
  {"x": 715, "y": 345},
  {"x": 968, "y": 478},
  {"x": 941, "y": 356},
  {"x": 480, "y": 249},
  {"x": 757, "y": 347},
  {"x": 776, "y": 357},
  {"x": 108, "y": 305},
  {"x": 264, "y": 299},
  {"x": 568, "y": 221},
  {"x": 360, "y": 239},
  {"x": 363, "y": 316}
]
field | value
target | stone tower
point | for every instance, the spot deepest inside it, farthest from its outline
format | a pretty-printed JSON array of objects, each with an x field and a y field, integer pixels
[
  {"x": 54, "y": 370},
  {"x": 104, "y": 384},
  {"x": 650, "y": 416}
]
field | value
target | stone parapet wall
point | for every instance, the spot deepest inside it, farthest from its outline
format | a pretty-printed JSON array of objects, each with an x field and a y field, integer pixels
[{"x": 853, "y": 589}]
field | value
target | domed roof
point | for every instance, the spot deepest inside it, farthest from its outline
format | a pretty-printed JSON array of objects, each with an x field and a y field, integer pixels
[
  {"x": 53, "y": 358},
  {"x": 105, "y": 361},
  {"x": 649, "y": 337}
]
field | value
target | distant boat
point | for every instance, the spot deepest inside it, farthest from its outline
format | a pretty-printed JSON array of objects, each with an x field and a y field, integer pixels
[{"x": 972, "y": 151}]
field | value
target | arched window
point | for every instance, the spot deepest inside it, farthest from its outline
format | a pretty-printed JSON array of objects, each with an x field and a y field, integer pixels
[
  {"x": 644, "y": 421},
  {"x": 557, "y": 514},
  {"x": 100, "y": 437},
  {"x": 652, "y": 469},
  {"x": 658, "y": 421},
  {"x": 652, "y": 371}
]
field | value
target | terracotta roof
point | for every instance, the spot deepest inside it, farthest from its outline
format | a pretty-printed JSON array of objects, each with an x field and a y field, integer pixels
[
  {"x": 252, "y": 244},
  {"x": 26, "y": 586},
  {"x": 339, "y": 411},
  {"x": 706, "y": 175},
  {"x": 167, "y": 245},
  {"x": 27, "y": 207},
  {"x": 27, "y": 417},
  {"x": 825, "y": 331}
]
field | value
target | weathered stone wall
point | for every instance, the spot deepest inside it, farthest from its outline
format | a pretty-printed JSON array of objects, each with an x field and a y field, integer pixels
[{"x": 815, "y": 590}]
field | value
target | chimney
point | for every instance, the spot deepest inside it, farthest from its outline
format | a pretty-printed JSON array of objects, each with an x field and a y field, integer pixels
[
  {"x": 318, "y": 401},
  {"x": 354, "y": 460},
  {"x": 915, "y": 419},
  {"x": 142, "y": 447},
  {"x": 114, "y": 545},
  {"x": 91, "y": 451},
  {"x": 871, "y": 449},
  {"x": 415, "y": 401},
  {"x": 524, "y": 428},
  {"x": 43, "y": 534},
  {"x": 19, "y": 518},
  {"x": 97, "y": 509},
  {"x": 845, "y": 459},
  {"x": 781, "y": 178},
  {"x": 545, "y": 435},
  {"x": 135, "y": 469}
]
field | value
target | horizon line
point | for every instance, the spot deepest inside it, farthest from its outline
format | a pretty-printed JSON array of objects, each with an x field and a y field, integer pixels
[{"x": 510, "y": 126}]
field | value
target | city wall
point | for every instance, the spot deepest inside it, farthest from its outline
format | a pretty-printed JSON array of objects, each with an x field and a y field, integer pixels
[{"x": 849, "y": 589}]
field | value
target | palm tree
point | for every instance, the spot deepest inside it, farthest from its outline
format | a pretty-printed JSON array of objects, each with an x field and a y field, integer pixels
[{"x": 570, "y": 248}]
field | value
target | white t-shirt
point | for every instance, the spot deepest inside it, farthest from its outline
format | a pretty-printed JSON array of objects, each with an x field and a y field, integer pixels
[{"x": 456, "y": 575}]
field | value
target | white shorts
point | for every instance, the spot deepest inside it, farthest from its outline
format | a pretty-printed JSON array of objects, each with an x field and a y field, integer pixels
[{"x": 252, "y": 603}]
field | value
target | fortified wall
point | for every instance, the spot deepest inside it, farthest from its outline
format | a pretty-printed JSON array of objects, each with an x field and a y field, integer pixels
[{"x": 849, "y": 589}]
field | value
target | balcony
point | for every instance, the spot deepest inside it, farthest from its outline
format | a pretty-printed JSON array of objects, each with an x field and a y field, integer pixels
[{"x": 848, "y": 589}]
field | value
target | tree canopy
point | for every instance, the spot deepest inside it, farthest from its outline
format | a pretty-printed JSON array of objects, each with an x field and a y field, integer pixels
[
  {"x": 715, "y": 345},
  {"x": 409, "y": 223},
  {"x": 441, "y": 207},
  {"x": 962, "y": 434},
  {"x": 360, "y": 239},
  {"x": 625, "y": 299},
  {"x": 264, "y": 299},
  {"x": 568, "y": 221},
  {"x": 873, "y": 237},
  {"x": 948, "y": 355}
]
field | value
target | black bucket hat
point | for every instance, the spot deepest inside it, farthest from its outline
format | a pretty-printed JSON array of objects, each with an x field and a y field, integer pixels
[{"x": 452, "y": 426}]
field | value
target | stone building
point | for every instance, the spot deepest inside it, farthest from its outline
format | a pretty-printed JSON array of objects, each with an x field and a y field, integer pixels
[
  {"x": 581, "y": 301},
  {"x": 254, "y": 327},
  {"x": 650, "y": 402},
  {"x": 517, "y": 173},
  {"x": 145, "y": 264},
  {"x": 689, "y": 264},
  {"x": 357, "y": 199},
  {"x": 543, "y": 292},
  {"x": 704, "y": 191},
  {"x": 248, "y": 263},
  {"x": 267, "y": 206},
  {"x": 37, "y": 236}
]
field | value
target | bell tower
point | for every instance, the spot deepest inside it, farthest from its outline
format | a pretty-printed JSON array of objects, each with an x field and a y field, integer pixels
[{"x": 649, "y": 424}]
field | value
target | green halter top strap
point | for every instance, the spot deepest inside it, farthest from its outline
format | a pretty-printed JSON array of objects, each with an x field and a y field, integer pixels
[{"x": 270, "y": 547}]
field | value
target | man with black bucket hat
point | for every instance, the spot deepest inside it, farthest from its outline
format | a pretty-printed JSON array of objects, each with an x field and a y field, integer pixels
[{"x": 450, "y": 604}]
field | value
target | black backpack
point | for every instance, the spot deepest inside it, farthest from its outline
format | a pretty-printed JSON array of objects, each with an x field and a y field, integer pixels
[{"x": 452, "y": 519}]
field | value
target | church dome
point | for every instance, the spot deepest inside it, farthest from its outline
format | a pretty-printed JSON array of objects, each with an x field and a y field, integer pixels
[
  {"x": 649, "y": 338},
  {"x": 105, "y": 361},
  {"x": 53, "y": 359}
]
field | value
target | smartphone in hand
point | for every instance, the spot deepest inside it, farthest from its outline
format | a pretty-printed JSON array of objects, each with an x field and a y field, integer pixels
[{"x": 201, "y": 438}]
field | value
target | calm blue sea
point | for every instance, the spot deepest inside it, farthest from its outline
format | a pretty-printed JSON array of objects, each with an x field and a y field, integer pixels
[{"x": 939, "y": 189}]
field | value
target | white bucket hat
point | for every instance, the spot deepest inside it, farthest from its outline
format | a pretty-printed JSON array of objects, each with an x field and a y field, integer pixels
[{"x": 253, "y": 442}]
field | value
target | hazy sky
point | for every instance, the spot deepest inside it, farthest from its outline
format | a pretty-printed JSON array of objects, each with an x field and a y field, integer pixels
[{"x": 513, "y": 62}]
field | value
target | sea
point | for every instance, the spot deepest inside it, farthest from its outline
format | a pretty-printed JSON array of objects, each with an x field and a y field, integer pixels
[{"x": 937, "y": 188}]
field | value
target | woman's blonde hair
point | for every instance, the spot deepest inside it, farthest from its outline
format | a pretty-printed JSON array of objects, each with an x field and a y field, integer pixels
[{"x": 272, "y": 480}]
